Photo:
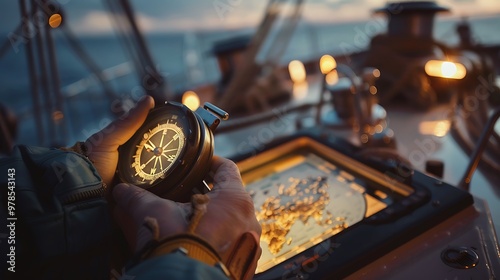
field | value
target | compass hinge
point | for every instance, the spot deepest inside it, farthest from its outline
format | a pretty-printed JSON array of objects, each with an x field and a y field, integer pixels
[{"x": 212, "y": 115}]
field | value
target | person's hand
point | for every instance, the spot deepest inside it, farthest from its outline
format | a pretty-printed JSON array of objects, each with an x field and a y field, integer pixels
[
  {"x": 230, "y": 213},
  {"x": 103, "y": 146}
]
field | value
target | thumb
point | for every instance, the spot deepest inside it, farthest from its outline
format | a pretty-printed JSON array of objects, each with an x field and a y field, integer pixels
[{"x": 123, "y": 128}]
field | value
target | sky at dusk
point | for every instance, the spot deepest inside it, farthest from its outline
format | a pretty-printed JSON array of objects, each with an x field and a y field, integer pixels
[{"x": 91, "y": 16}]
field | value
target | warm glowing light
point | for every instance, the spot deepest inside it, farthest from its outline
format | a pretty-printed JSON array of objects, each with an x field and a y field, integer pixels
[
  {"x": 332, "y": 78},
  {"x": 57, "y": 116},
  {"x": 442, "y": 127},
  {"x": 191, "y": 100},
  {"x": 327, "y": 63},
  {"x": 300, "y": 90},
  {"x": 448, "y": 69},
  {"x": 373, "y": 90},
  {"x": 445, "y": 69},
  {"x": 364, "y": 138},
  {"x": 297, "y": 71},
  {"x": 436, "y": 128},
  {"x": 55, "y": 20}
]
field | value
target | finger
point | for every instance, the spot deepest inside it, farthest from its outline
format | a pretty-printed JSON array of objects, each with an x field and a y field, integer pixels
[
  {"x": 133, "y": 200},
  {"x": 136, "y": 204},
  {"x": 132, "y": 209},
  {"x": 226, "y": 174},
  {"x": 228, "y": 187},
  {"x": 123, "y": 128}
]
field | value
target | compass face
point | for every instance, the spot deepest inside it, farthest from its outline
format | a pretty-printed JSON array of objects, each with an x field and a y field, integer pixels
[
  {"x": 159, "y": 148},
  {"x": 157, "y": 151},
  {"x": 171, "y": 153}
]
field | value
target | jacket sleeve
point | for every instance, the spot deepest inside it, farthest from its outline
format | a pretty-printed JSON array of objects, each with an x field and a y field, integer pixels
[
  {"x": 61, "y": 226},
  {"x": 173, "y": 266}
]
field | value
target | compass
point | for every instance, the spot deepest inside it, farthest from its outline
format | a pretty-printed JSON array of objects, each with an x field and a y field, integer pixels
[{"x": 170, "y": 153}]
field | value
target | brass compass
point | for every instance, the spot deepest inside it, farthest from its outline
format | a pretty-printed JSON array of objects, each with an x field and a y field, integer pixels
[{"x": 170, "y": 153}]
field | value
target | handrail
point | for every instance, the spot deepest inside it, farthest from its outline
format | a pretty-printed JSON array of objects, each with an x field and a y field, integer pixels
[{"x": 478, "y": 150}]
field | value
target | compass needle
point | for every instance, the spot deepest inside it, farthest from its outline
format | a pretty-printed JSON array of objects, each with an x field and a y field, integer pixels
[
  {"x": 168, "y": 143},
  {"x": 162, "y": 136},
  {"x": 148, "y": 147},
  {"x": 152, "y": 144},
  {"x": 156, "y": 161},
  {"x": 153, "y": 157},
  {"x": 161, "y": 164}
]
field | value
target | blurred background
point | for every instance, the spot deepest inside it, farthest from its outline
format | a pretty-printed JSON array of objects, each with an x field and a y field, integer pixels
[
  {"x": 69, "y": 67},
  {"x": 180, "y": 36}
]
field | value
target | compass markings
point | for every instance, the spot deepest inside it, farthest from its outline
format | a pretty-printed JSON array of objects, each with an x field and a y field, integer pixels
[
  {"x": 149, "y": 148},
  {"x": 170, "y": 158},
  {"x": 154, "y": 143}
]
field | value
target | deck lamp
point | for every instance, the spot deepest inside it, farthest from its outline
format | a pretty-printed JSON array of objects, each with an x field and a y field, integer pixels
[
  {"x": 297, "y": 71},
  {"x": 445, "y": 69}
]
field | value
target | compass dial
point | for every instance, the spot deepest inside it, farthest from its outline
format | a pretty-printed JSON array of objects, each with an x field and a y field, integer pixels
[
  {"x": 158, "y": 149},
  {"x": 170, "y": 154}
]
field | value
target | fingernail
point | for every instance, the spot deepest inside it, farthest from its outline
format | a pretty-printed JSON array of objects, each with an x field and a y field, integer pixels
[{"x": 144, "y": 98}]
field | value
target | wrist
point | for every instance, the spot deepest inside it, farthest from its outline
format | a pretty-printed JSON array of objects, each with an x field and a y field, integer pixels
[
  {"x": 187, "y": 244},
  {"x": 79, "y": 148}
]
